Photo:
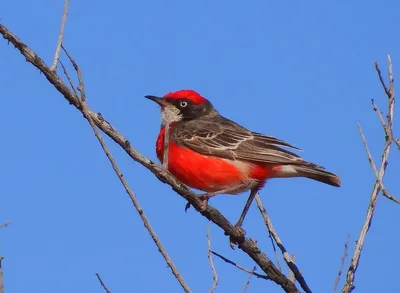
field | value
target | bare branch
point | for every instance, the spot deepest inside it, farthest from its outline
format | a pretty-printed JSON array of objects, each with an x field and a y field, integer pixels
[
  {"x": 60, "y": 36},
  {"x": 81, "y": 87},
  {"x": 289, "y": 261},
  {"x": 166, "y": 146},
  {"x": 388, "y": 128},
  {"x": 345, "y": 254},
  {"x": 397, "y": 142},
  {"x": 391, "y": 103},
  {"x": 69, "y": 79},
  {"x": 248, "y": 280},
  {"x": 5, "y": 224},
  {"x": 373, "y": 166},
  {"x": 1, "y": 259},
  {"x": 210, "y": 258},
  {"x": 102, "y": 283},
  {"x": 291, "y": 276},
  {"x": 380, "y": 115},
  {"x": 390, "y": 95},
  {"x": 240, "y": 267},
  {"x": 349, "y": 285},
  {"x": 381, "y": 79},
  {"x": 278, "y": 263},
  {"x": 247, "y": 245},
  {"x": 355, "y": 260},
  {"x": 134, "y": 200},
  {"x": 1, "y": 276}
]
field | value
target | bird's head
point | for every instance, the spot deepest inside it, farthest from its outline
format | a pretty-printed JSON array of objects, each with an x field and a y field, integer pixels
[{"x": 182, "y": 105}]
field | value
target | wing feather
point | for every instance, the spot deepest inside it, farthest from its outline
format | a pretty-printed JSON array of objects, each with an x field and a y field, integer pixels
[{"x": 224, "y": 138}]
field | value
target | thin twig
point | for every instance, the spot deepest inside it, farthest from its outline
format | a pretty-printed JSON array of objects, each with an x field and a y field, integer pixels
[
  {"x": 349, "y": 284},
  {"x": 137, "y": 205},
  {"x": 102, "y": 283},
  {"x": 291, "y": 276},
  {"x": 166, "y": 146},
  {"x": 1, "y": 276},
  {"x": 380, "y": 115},
  {"x": 355, "y": 260},
  {"x": 244, "y": 243},
  {"x": 388, "y": 128},
  {"x": 373, "y": 166},
  {"x": 396, "y": 141},
  {"x": 390, "y": 95},
  {"x": 5, "y": 224},
  {"x": 1, "y": 259},
  {"x": 378, "y": 70},
  {"x": 69, "y": 79},
  {"x": 278, "y": 263},
  {"x": 289, "y": 261},
  {"x": 60, "y": 36},
  {"x": 210, "y": 258},
  {"x": 134, "y": 200},
  {"x": 248, "y": 280},
  {"x": 345, "y": 254},
  {"x": 391, "y": 102},
  {"x": 81, "y": 87},
  {"x": 240, "y": 267}
]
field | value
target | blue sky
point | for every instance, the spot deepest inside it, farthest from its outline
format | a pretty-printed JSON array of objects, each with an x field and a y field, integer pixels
[{"x": 301, "y": 71}]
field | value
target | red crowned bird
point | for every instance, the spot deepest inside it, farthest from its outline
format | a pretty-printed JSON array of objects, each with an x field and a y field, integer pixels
[{"x": 214, "y": 154}]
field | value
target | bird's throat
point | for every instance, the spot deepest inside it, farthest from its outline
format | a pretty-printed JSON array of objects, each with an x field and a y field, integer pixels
[{"x": 170, "y": 114}]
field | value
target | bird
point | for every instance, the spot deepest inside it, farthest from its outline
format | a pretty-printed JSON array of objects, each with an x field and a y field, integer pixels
[{"x": 216, "y": 155}]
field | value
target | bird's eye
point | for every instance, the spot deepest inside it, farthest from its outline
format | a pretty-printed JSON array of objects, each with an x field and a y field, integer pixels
[{"x": 183, "y": 104}]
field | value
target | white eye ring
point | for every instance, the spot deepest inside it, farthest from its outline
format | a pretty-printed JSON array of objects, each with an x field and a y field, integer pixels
[{"x": 183, "y": 104}]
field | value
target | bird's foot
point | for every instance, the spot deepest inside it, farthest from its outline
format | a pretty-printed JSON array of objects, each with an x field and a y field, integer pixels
[
  {"x": 203, "y": 201},
  {"x": 206, "y": 196},
  {"x": 237, "y": 237},
  {"x": 203, "y": 198}
]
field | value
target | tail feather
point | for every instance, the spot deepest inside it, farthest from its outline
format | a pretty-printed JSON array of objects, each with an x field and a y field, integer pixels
[{"x": 317, "y": 173}]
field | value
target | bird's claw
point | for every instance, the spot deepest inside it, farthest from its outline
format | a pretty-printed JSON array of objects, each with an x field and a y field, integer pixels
[
  {"x": 239, "y": 231},
  {"x": 203, "y": 198},
  {"x": 203, "y": 202},
  {"x": 238, "y": 236},
  {"x": 187, "y": 206}
]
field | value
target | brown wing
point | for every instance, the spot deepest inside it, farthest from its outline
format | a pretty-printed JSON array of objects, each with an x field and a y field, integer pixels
[{"x": 224, "y": 138}]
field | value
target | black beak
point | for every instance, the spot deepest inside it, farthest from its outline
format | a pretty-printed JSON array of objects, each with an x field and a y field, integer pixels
[{"x": 161, "y": 101}]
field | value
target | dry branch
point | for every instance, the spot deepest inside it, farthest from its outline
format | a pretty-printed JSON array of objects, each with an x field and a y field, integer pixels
[
  {"x": 397, "y": 142},
  {"x": 1, "y": 259},
  {"x": 69, "y": 78},
  {"x": 227, "y": 260},
  {"x": 60, "y": 36},
  {"x": 345, "y": 254},
  {"x": 210, "y": 258},
  {"x": 378, "y": 186},
  {"x": 248, "y": 280},
  {"x": 132, "y": 196},
  {"x": 1, "y": 276},
  {"x": 166, "y": 146},
  {"x": 289, "y": 261},
  {"x": 373, "y": 166},
  {"x": 291, "y": 274},
  {"x": 245, "y": 244},
  {"x": 102, "y": 283}
]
